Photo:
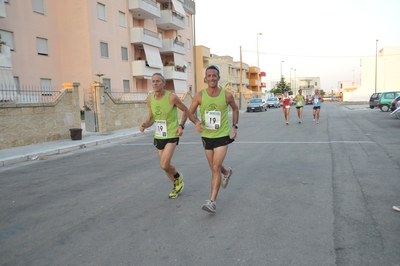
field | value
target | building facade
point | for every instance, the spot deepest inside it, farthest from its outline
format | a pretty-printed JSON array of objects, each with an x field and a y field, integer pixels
[
  {"x": 119, "y": 43},
  {"x": 378, "y": 74}
]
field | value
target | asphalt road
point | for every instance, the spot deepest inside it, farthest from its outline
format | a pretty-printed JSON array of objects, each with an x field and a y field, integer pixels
[{"x": 301, "y": 194}]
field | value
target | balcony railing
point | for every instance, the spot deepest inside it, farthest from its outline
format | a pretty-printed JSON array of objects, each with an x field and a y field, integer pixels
[
  {"x": 140, "y": 36},
  {"x": 140, "y": 69},
  {"x": 172, "y": 46},
  {"x": 170, "y": 20},
  {"x": 172, "y": 72},
  {"x": 144, "y": 9}
]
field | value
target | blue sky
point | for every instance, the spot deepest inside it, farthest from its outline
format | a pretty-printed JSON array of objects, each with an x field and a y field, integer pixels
[{"x": 318, "y": 38}]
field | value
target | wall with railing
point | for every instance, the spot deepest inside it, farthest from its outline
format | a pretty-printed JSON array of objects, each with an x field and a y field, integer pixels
[{"x": 23, "y": 123}]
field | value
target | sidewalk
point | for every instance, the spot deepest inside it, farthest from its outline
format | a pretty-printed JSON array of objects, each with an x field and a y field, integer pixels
[{"x": 41, "y": 150}]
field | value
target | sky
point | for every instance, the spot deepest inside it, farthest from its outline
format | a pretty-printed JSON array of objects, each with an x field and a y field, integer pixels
[{"x": 318, "y": 38}]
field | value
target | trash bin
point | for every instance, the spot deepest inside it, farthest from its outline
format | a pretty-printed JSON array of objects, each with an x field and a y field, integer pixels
[{"x": 76, "y": 133}]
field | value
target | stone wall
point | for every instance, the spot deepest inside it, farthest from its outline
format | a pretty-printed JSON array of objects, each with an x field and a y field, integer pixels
[{"x": 23, "y": 124}]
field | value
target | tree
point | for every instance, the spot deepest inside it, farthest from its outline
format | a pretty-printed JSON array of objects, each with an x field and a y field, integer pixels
[
  {"x": 322, "y": 93},
  {"x": 284, "y": 87}
]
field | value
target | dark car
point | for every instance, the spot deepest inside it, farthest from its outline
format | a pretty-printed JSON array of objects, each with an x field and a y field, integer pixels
[
  {"x": 395, "y": 104},
  {"x": 374, "y": 100},
  {"x": 257, "y": 104}
]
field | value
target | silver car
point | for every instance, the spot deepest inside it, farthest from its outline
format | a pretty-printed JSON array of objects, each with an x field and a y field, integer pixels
[{"x": 273, "y": 102}]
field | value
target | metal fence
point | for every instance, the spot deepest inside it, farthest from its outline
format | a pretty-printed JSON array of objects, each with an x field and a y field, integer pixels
[{"x": 28, "y": 94}]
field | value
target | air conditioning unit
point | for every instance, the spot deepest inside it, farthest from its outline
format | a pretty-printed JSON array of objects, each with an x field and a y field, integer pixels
[{"x": 165, "y": 5}]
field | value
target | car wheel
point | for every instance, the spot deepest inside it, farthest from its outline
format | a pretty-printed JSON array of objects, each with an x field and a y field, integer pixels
[
  {"x": 384, "y": 108},
  {"x": 371, "y": 107}
]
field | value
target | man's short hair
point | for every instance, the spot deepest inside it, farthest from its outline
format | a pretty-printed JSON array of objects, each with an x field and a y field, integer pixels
[{"x": 213, "y": 67}]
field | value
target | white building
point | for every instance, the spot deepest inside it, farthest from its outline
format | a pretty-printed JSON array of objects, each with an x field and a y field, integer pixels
[{"x": 386, "y": 72}]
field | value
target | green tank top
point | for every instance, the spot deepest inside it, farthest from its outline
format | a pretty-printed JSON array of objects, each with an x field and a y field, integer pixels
[
  {"x": 299, "y": 100},
  {"x": 165, "y": 117},
  {"x": 214, "y": 115}
]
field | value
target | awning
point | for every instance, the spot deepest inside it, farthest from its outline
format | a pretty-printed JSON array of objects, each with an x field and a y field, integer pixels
[
  {"x": 153, "y": 57},
  {"x": 179, "y": 60},
  {"x": 180, "y": 86},
  {"x": 178, "y": 7}
]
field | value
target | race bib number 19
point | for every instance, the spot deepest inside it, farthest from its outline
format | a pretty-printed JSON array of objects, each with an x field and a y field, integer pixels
[
  {"x": 213, "y": 120},
  {"x": 161, "y": 128}
]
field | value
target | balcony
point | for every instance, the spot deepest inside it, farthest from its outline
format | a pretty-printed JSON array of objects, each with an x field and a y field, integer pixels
[
  {"x": 254, "y": 69},
  {"x": 254, "y": 82},
  {"x": 171, "y": 72},
  {"x": 144, "y": 9},
  {"x": 263, "y": 85},
  {"x": 245, "y": 81},
  {"x": 170, "y": 46},
  {"x": 170, "y": 20},
  {"x": 263, "y": 74},
  {"x": 140, "y": 36},
  {"x": 141, "y": 70}
]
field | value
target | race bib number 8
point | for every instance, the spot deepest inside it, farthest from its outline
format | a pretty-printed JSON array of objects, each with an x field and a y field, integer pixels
[
  {"x": 213, "y": 120},
  {"x": 161, "y": 128}
]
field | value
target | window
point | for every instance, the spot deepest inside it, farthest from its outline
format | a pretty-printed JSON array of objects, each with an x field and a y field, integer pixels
[
  {"x": 107, "y": 83},
  {"x": 42, "y": 46},
  {"x": 187, "y": 21},
  {"x": 101, "y": 11},
  {"x": 126, "y": 85},
  {"x": 315, "y": 83},
  {"x": 189, "y": 46},
  {"x": 45, "y": 86},
  {"x": 190, "y": 67},
  {"x": 38, "y": 6},
  {"x": 8, "y": 38},
  {"x": 124, "y": 53},
  {"x": 179, "y": 37},
  {"x": 104, "y": 49},
  {"x": 122, "y": 19}
]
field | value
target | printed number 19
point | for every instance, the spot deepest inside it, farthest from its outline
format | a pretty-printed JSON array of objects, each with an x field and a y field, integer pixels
[{"x": 212, "y": 120}]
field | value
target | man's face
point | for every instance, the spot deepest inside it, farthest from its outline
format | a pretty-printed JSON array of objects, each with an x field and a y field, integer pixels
[
  {"x": 212, "y": 78},
  {"x": 157, "y": 83}
]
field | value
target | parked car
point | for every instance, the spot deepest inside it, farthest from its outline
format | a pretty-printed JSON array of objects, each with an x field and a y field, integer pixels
[
  {"x": 273, "y": 102},
  {"x": 395, "y": 104},
  {"x": 386, "y": 100},
  {"x": 257, "y": 104},
  {"x": 374, "y": 100}
]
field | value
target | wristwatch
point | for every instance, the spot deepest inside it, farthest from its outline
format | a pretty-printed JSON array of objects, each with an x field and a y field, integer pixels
[
  {"x": 236, "y": 126},
  {"x": 182, "y": 126}
]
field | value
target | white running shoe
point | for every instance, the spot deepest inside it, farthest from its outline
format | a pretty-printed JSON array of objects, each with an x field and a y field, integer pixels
[
  {"x": 396, "y": 208},
  {"x": 210, "y": 206},
  {"x": 226, "y": 179}
]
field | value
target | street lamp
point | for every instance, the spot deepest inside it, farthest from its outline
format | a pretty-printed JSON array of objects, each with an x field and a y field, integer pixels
[
  {"x": 291, "y": 85},
  {"x": 295, "y": 80},
  {"x": 376, "y": 61},
  {"x": 281, "y": 68},
  {"x": 258, "y": 60}
]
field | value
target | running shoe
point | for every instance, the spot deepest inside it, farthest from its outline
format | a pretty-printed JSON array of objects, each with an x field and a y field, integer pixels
[
  {"x": 396, "y": 208},
  {"x": 210, "y": 206},
  {"x": 178, "y": 186},
  {"x": 226, "y": 179}
]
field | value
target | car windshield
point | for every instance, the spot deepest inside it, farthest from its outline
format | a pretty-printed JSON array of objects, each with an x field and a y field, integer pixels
[
  {"x": 271, "y": 99},
  {"x": 255, "y": 100}
]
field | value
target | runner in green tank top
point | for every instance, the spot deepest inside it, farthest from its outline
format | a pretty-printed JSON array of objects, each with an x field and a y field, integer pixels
[
  {"x": 300, "y": 100},
  {"x": 215, "y": 129},
  {"x": 163, "y": 113}
]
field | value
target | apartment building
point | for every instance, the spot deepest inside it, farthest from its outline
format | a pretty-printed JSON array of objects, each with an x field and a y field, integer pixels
[
  {"x": 248, "y": 81},
  {"x": 120, "y": 43}
]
